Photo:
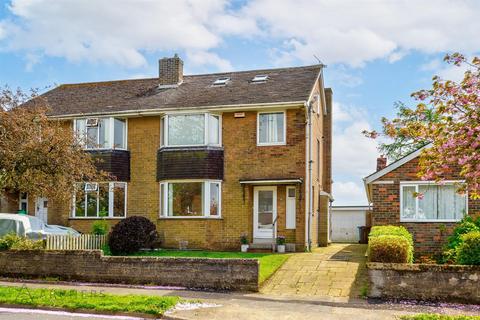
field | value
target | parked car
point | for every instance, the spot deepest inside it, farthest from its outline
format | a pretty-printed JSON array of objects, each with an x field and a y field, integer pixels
[{"x": 31, "y": 227}]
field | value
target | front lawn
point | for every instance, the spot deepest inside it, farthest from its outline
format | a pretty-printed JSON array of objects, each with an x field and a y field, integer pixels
[
  {"x": 94, "y": 300},
  {"x": 438, "y": 317},
  {"x": 269, "y": 263}
]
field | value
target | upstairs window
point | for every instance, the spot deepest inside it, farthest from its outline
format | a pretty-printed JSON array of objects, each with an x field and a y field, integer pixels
[
  {"x": 101, "y": 133},
  {"x": 190, "y": 130},
  {"x": 427, "y": 201},
  {"x": 271, "y": 129}
]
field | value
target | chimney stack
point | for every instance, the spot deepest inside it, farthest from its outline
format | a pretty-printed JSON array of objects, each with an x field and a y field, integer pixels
[
  {"x": 170, "y": 71},
  {"x": 381, "y": 162}
]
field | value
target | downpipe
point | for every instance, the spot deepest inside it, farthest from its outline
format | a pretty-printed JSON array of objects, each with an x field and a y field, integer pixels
[{"x": 308, "y": 107}]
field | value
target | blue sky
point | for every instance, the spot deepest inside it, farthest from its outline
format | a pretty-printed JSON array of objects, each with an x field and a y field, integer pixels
[{"x": 377, "y": 52}]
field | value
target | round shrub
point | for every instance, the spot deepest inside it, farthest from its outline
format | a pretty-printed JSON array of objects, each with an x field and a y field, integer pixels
[
  {"x": 468, "y": 252},
  {"x": 389, "y": 249},
  {"x": 132, "y": 234},
  {"x": 400, "y": 231}
]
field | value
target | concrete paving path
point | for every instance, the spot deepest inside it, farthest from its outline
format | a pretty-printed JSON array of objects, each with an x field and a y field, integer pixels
[{"x": 335, "y": 273}]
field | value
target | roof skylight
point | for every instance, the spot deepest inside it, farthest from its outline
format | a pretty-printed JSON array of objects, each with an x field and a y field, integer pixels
[
  {"x": 260, "y": 78},
  {"x": 221, "y": 81}
]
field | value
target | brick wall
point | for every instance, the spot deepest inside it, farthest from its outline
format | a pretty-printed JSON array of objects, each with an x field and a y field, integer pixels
[
  {"x": 92, "y": 266},
  {"x": 429, "y": 237},
  {"x": 243, "y": 159},
  {"x": 446, "y": 283}
]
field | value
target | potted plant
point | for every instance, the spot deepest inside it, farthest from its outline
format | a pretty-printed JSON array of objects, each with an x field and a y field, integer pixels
[
  {"x": 281, "y": 244},
  {"x": 244, "y": 242}
]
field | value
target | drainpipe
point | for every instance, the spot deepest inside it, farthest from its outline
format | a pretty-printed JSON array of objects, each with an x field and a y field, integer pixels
[{"x": 309, "y": 185}]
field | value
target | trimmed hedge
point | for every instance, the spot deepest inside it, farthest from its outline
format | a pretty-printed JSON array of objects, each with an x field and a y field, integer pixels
[
  {"x": 389, "y": 249},
  {"x": 468, "y": 252},
  {"x": 395, "y": 239}
]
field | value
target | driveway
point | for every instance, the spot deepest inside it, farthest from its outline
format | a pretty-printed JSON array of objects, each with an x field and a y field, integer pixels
[{"x": 335, "y": 273}]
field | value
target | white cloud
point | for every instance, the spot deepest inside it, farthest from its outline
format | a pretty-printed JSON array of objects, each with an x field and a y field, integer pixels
[
  {"x": 349, "y": 193},
  {"x": 117, "y": 32},
  {"x": 203, "y": 58},
  {"x": 355, "y": 155},
  {"x": 349, "y": 32},
  {"x": 355, "y": 32}
]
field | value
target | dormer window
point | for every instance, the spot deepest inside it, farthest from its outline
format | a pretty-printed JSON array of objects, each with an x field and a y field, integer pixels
[
  {"x": 260, "y": 78},
  {"x": 221, "y": 81},
  {"x": 101, "y": 133}
]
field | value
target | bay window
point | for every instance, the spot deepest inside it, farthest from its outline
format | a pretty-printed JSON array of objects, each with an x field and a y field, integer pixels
[
  {"x": 271, "y": 128},
  {"x": 100, "y": 200},
  {"x": 101, "y": 133},
  {"x": 190, "y": 130},
  {"x": 190, "y": 198},
  {"x": 428, "y": 201}
]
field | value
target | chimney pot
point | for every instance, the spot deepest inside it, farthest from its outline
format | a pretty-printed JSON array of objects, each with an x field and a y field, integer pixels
[
  {"x": 381, "y": 162},
  {"x": 170, "y": 71}
]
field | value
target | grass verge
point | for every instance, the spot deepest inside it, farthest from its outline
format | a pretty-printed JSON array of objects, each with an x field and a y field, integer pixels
[
  {"x": 269, "y": 263},
  {"x": 425, "y": 316},
  {"x": 94, "y": 300}
]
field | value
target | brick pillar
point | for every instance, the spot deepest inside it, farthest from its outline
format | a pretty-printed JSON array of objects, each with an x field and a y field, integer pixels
[{"x": 323, "y": 223}]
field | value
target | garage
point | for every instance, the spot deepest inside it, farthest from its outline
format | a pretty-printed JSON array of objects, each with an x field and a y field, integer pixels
[{"x": 345, "y": 221}]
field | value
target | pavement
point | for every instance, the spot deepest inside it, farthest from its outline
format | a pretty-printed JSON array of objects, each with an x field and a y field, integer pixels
[{"x": 324, "y": 284}]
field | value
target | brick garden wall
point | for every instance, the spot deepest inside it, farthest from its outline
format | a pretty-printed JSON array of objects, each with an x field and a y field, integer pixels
[
  {"x": 429, "y": 237},
  {"x": 92, "y": 266},
  {"x": 447, "y": 283}
]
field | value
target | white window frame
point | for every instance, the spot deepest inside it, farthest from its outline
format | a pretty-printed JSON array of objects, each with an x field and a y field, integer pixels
[
  {"x": 206, "y": 135},
  {"x": 111, "y": 133},
  {"x": 284, "y": 129},
  {"x": 163, "y": 212},
  {"x": 416, "y": 184},
  {"x": 20, "y": 201},
  {"x": 111, "y": 185}
]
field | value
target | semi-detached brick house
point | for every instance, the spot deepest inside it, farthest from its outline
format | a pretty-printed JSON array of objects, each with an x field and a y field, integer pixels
[
  {"x": 430, "y": 217},
  {"x": 206, "y": 157}
]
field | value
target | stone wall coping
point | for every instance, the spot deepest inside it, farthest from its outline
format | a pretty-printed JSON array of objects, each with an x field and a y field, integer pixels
[
  {"x": 418, "y": 267},
  {"x": 99, "y": 253}
]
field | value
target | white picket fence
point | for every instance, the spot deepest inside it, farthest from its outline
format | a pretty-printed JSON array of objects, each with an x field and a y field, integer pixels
[{"x": 81, "y": 242}]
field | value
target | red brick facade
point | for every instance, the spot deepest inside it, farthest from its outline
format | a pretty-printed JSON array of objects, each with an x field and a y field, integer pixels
[{"x": 429, "y": 237}]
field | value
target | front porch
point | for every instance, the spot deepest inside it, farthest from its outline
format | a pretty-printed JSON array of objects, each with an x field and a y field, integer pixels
[{"x": 276, "y": 210}]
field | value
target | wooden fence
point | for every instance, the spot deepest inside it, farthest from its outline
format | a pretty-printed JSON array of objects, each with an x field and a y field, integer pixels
[{"x": 81, "y": 242}]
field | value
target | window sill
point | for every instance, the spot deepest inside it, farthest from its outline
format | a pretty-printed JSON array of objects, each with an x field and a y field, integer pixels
[
  {"x": 271, "y": 144},
  {"x": 190, "y": 218},
  {"x": 431, "y": 221},
  {"x": 96, "y": 218}
]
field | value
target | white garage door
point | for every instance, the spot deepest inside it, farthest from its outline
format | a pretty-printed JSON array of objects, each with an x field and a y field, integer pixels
[{"x": 345, "y": 225}]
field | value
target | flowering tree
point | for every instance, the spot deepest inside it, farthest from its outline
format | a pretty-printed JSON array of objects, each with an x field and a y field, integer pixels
[
  {"x": 39, "y": 156},
  {"x": 447, "y": 118}
]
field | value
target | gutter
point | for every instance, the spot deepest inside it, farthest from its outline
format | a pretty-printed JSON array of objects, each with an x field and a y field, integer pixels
[{"x": 161, "y": 111}]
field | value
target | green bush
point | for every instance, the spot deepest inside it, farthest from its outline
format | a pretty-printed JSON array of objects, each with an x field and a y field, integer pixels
[
  {"x": 394, "y": 231},
  {"x": 389, "y": 249},
  {"x": 468, "y": 252},
  {"x": 466, "y": 225},
  {"x": 100, "y": 227},
  {"x": 132, "y": 234},
  {"x": 13, "y": 242}
]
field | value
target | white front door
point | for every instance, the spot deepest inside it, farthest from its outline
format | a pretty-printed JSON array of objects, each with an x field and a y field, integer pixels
[
  {"x": 264, "y": 212},
  {"x": 41, "y": 209}
]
